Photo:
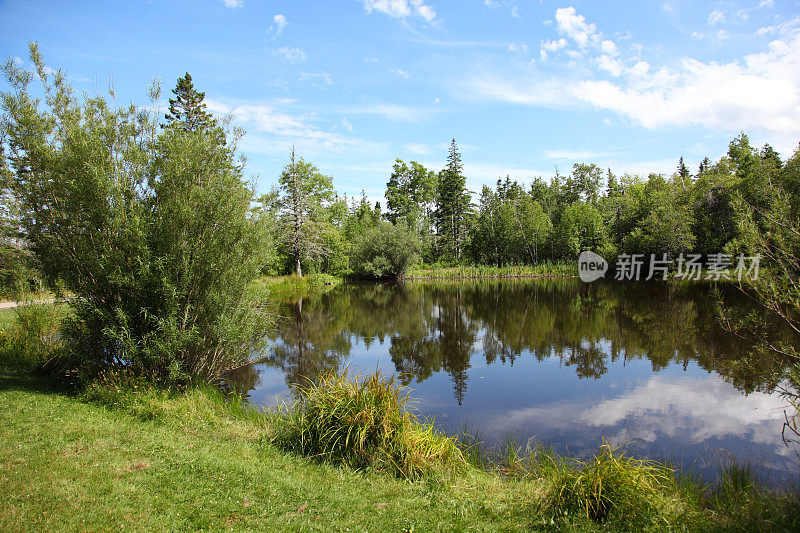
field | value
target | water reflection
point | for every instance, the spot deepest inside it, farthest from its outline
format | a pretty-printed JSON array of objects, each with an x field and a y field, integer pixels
[{"x": 562, "y": 361}]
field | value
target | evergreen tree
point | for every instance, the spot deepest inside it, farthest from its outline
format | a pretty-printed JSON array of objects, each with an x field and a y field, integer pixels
[
  {"x": 452, "y": 206},
  {"x": 188, "y": 108},
  {"x": 683, "y": 173}
]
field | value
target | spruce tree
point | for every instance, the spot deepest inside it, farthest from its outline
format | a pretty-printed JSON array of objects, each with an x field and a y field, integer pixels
[
  {"x": 188, "y": 108},
  {"x": 452, "y": 207}
]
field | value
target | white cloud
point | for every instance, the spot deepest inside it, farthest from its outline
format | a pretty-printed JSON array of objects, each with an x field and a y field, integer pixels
[
  {"x": 575, "y": 27},
  {"x": 292, "y": 55},
  {"x": 515, "y": 12},
  {"x": 513, "y": 47},
  {"x": 280, "y": 24},
  {"x": 766, "y": 3},
  {"x": 401, "y": 8},
  {"x": 609, "y": 48},
  {"x": 346, "y": 124},
  {"x": 399, "y": 72},
  {"x": 758, "y": 93},
  {"x": 322, "y": 77},
  {"x": 416, "y": 148},
  {"x": 551, "y": 46},
  {"x": 233, "y": 4},
  {"x": 716, "y": 17},
  {"x": 393, "y": 112},
  {"x": 273, "y": 130},
  {"x": 610, "y": 65}
]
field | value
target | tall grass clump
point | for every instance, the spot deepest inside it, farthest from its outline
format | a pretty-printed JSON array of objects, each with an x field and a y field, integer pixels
[
  {"x": 613, "y": 489},
  {"x": 363, "y": 422},
  {"x": 32, "y": 335}
]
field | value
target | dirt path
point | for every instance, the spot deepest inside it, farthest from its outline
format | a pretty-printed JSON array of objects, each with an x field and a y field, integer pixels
[{"x": 10, "y": 305}]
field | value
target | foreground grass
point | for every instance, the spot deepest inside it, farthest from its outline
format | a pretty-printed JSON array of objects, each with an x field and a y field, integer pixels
[
  {"x": 189, "y": 463},
  {"x": 149, "y": 459},
  {"x": 542, "y": 270}
]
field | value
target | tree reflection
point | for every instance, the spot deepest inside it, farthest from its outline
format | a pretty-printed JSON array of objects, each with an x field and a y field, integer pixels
[{"x": 439, "y": 327}]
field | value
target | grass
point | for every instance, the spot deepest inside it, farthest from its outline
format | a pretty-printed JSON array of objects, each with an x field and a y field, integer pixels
[
  {"x": 29, "y": 333},
  {"x": 71, "y": 464},
  {"x": 283, "y": 287},
  {"x": 363, "y": 422},
  {"x": 542, "y": 270}
]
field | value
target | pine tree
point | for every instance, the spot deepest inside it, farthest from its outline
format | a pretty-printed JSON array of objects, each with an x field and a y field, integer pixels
[{"x": 188, "y": 108}]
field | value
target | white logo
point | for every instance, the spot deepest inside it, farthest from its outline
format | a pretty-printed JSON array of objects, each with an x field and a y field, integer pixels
[{"x": 591, "y": 266}]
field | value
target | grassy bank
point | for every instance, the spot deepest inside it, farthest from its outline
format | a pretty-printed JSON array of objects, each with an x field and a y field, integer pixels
[
  {"x": 542, "y": 270},
  {"x": 127, "y": 455},
  {"x": 282, "y": 287}
]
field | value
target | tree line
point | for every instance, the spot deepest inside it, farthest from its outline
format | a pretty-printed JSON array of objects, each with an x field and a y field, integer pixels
[{"x": 431, "y": 217}]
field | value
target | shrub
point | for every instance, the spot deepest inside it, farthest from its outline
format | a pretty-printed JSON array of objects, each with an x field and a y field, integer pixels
[
  {"x": 150, "y": 228},
  {"x": 385, "y": 251},
  {"x": 362, "y": 423}
]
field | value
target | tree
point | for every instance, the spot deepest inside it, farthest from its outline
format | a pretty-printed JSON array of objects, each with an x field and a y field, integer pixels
[
  {"x": 385, "y": 251},
  {"x": 410, "y": 193},
  {"x": 580, "y": 228},
  {"x": 305, "y": 193},
  {"x": 683, "y": 174},
  {"x": 452, "y": 206},
  {"x": 188, "y": 108},
  {"x": 153, "y": 233}
]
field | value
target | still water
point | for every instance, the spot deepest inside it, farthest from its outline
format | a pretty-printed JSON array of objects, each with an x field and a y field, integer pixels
[{"x": 568, "y": 364}]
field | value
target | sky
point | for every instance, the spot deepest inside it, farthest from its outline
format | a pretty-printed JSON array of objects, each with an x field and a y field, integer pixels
[{"x": 524, "y": 87}]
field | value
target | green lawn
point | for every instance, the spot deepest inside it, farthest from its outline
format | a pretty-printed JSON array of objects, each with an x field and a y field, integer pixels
[{"x": 70, "y": 465}]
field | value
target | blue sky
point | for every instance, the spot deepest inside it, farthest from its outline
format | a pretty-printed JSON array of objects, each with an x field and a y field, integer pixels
[{"x": 523, "y": 87}]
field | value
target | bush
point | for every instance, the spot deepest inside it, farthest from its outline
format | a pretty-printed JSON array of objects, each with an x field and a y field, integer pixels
[
  {"x": 385, "y": 251},
  {"x": 362, "y": 423},
  {"x": 150, "y": 228}
]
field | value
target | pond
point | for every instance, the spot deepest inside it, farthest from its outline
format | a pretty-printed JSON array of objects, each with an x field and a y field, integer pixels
[{"x": 567, "y": 364}]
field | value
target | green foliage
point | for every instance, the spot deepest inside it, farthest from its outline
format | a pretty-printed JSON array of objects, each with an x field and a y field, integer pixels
[
  {"x": 362, "y": 423},
  {"x": 385, "y": 251},
  {"x": 292, "y": 287},
  {"x": 453, "y": 209},
  {"x": 151, "y": 229},
  {"x": 511, "y": 227},
  {"x": 580, "y": 228}
]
